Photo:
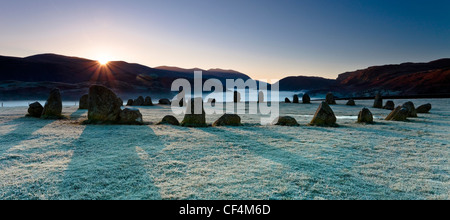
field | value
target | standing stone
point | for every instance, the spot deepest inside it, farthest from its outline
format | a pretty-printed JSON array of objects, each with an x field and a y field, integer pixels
[
  {"x": 84, "y": 102},
  {"x": 148, "y": 101},
  {"x": 330, "y": 99},
  {"x": 228, "y": 120},
  {"x": 164, "y": 102},
  {"x": 286, "y": 100},
  {"x": 236, "y": 97},
  {"x": 130, "y": 102},
  {"x": 424, "y": 108},
  {"x": 53, "y": 106},
  {"x": 170, "y": 120},
  {"x": 351, "y": 102},
  {"x": 285, "y": 121},
  {"x": 35, "y": 110},
  {"x": 365, "y": 116},
  {"x": 306, "y": 99},
  {"x": 389, "y": 105},
  {"x": 121, "y": 101},
  {"x": 398, "y": 114},
  {"x": 411, "y": 109},
  {"x": 139, "y": 101},
  {"x": 260, "y": 97},
  {"x": 104, "y": 106},
  {"x": 295, "y": 99},
  {"x": 324, "y": 116},
  {"x": 193, "y": 118},
  {"x": 130, "y": 116},
  {"x": 378, "y": 103}
]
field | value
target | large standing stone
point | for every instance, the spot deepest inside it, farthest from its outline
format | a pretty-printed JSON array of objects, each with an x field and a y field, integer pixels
[
  {"x": 139, "y": 101},
  {"x": 424, "y": 108},
  {"x": 194, "y": 118},
  {"x": 324, "y": 116},
  {"x": 130, "y": 102},
  {"x": 378, "y": 103},
  {"x": 286, "y": 100},
  {"x": 53, "y": 106},
  {"x": 295, "y": 99},
  {"x": 164, "y": 102},
  {"x": 228, "y": 120},
  {"x": 389, "y": 105},
  {"x": 104, "y": 106},
  {"x": 365, "y": 116},
  {"x": 148, "y": 101},
  {"x": 131, "y": 116},
  {"x": 170, "y": 120},
  {"x": 35, "y": 110},
  {"x": 285, "y": 121},
  {"x": 411, "y": 109},
  {"x": 330, "y": 99},
  {"x": 84, "y": 104},
  {"x": 236, "y": 97},
  {"x": 351, "y": 102},
  {"x": 398, "y": 114},
  {"x": 306, "y": 99}
]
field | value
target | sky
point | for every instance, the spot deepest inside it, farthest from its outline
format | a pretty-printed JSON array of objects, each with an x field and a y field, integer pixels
[{"x": 266, "y": 39}]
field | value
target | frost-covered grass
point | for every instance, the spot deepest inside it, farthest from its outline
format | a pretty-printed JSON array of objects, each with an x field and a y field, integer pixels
[{"x": 42, "y": 159}]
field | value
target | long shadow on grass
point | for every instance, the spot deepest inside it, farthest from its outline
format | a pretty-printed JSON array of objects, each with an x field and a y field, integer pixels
[
  {"x": 106, "y": 165},
  {"x": 351, "y": 186}
]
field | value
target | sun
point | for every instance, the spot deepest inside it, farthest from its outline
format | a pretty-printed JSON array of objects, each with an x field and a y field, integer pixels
[{"x": 103, "y": 61}]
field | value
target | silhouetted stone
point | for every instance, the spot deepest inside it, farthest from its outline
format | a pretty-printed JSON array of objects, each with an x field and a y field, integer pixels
[
  {"x": 424, "y": 108},
  {"x": 260, "y": 97},
  {"x": 351, "y": 102},
  {"x": 330, "y": 99},
  {"x": 139, "y": 101},
  {"x": 35, "y": 110},
  {"x": 398, "y": 114},
  {"x": 389, "y": 105},
  {"x": 324, "y": 116},
  {"x": 84, "y": 104},
  {"x": 286, "y": 100},
  {"x": 121, "y": 101},
  {"x": 236, "y": 97},
  {"x": 193, "y": 118},
  {"x": 130, "y": 102},
  {"x": 53, "y": 106},
  {"x": 365, "y": 116},
  {"x": 285, "y": 121},
  {"x": 164, "y": 102},
  {"x": 378, "y": 103},
  {"x": 169, "y": 120},
  {"x": 131, "y": 116},
  {"x": 411, "y": 109},
  {"x": 306, "y": 99},
  {"x": 148, "y": 101},
  {"x": 228, "y": 120},
  {"x": 104, "y": 106},
  {"x": 295, "y": 99}
]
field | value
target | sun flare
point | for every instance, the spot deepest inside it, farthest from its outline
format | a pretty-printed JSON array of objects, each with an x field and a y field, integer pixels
[{"x": 103, "y": 61}]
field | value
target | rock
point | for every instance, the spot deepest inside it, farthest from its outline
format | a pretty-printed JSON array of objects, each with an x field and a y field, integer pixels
[
  {"x": 286, "y": 121},
  {"x": 424, "y": 108},
  {"x": 228, "y": 120},
  {"x": 365, "y": 116},
  {"x": 164, "y": 102},
  {"x": 193, "y": 118},
  {"x": 306, "y": 99},
  {"x": 130, "y": 102},
  {"x": 398, "y": 114},
  {"x": 389, "y": 105},
  {"x": 295, "y": 99},
  {"x": 170, "y": 120},
  {"x": 121, "y": 102},
  {"x": 148, "y": 101},
  {"x": 84, "y": 104},
  {"x": 260, "y": 97},
  {"x": 324, "y": 116},
  {"x": 139, "y": 101},
  {"x": 53, "y": 106},
  {"x": 236, "y": 97},
  {"x": 286, "y": 100},
  {"x": 378, "y": 103},
  {"x": 330, "y": 99},
  {"x": 35, "y": 110},
  {"x": 104, "y": 106},
  {"x": 411, "y": 109},
  {"x": 351, "y": 102},
  {"x": 131, "y": 116}
]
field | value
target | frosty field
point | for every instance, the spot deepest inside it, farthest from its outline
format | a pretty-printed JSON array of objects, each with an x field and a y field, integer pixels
[{"x": 45, "y": 159}]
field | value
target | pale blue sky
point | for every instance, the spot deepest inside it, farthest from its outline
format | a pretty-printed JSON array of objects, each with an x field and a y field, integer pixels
[{"x": 264, "y": 39}]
